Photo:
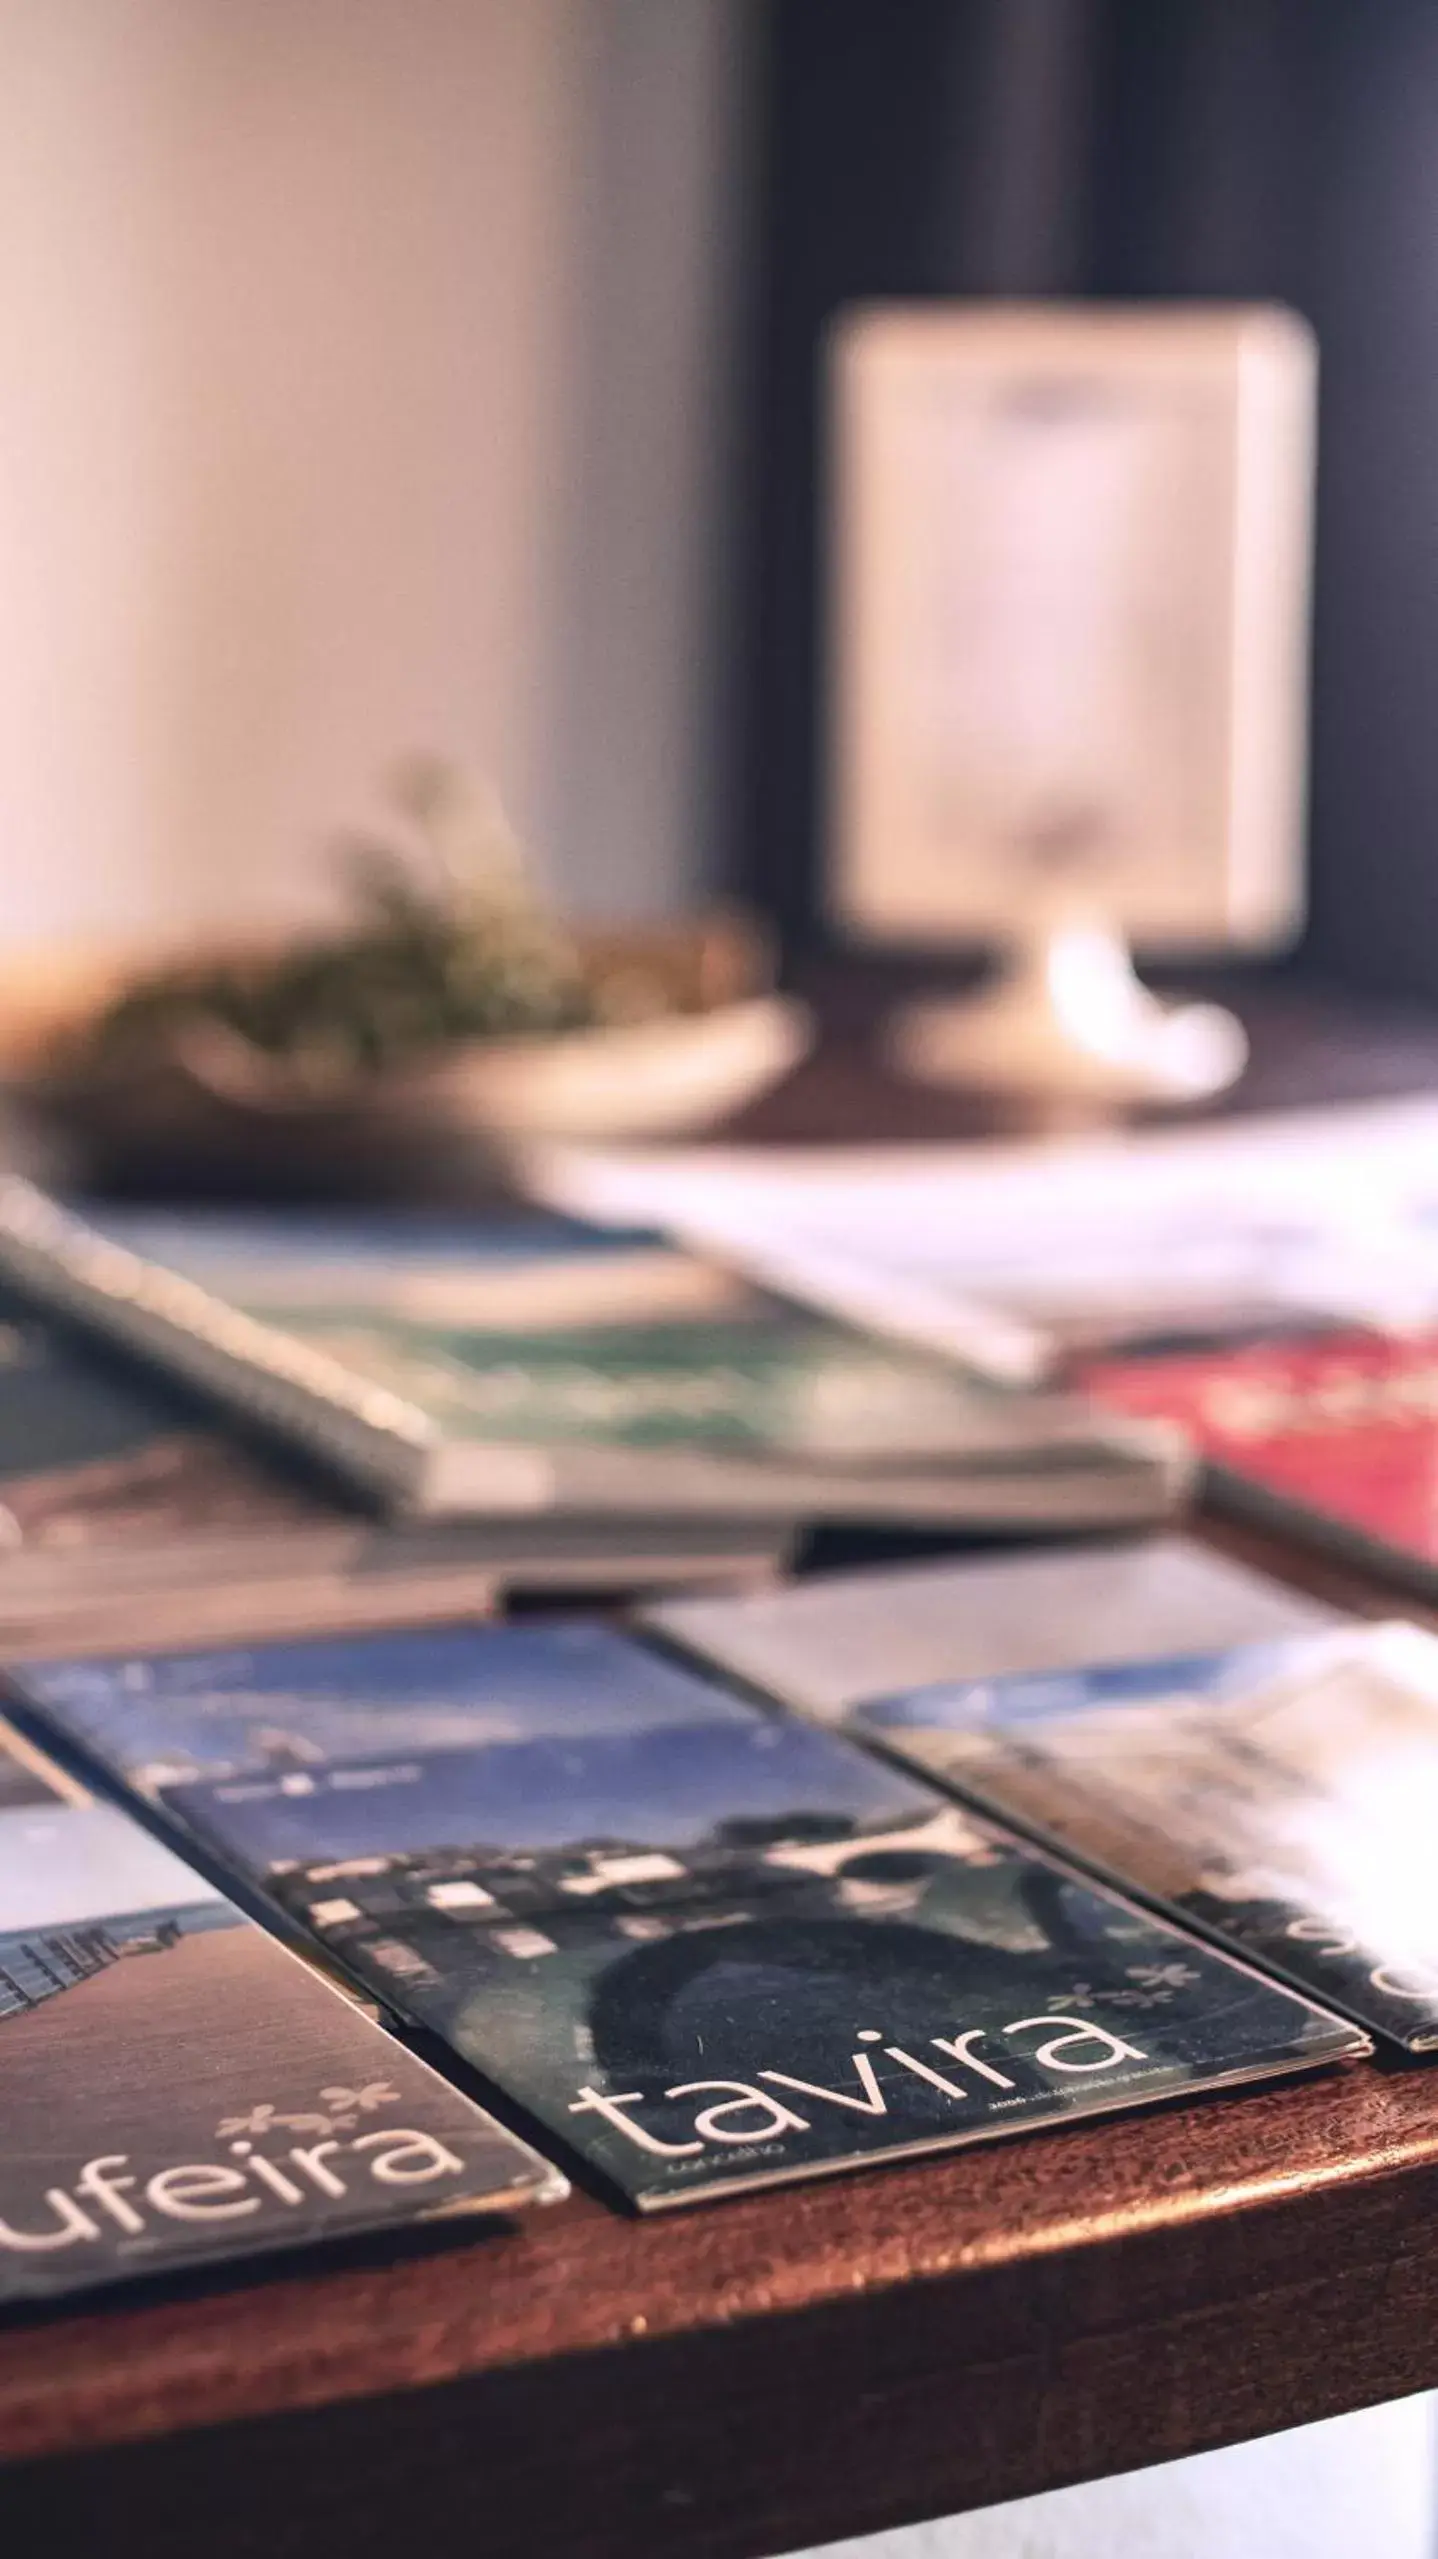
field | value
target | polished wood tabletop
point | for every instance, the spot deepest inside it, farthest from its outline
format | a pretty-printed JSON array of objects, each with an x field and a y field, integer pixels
[{"x": 776, "y": 2371}]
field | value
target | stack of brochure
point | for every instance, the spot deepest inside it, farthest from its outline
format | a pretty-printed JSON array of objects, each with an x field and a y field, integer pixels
[
  {"x": 704, "y": 1946},
  {"x": 129, "y": 1512},
  {"x": 1269, "y": 1287},
  {"x": 789, "y": 1879},
  {"x": 546, "y": 1375}
]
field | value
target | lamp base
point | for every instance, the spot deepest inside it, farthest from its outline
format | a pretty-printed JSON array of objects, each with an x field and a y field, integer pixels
[{"x": 1070, "y": 1020}]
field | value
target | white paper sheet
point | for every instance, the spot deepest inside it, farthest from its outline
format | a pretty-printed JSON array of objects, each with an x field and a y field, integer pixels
[{"x": 1005, "y": 1256}]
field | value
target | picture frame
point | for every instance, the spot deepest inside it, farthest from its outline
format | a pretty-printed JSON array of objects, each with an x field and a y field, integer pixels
[{"x": 1068, "y": 621}]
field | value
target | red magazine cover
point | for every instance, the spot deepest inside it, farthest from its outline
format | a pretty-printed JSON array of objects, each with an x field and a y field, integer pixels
[{"x": 1335, "y": 1432}]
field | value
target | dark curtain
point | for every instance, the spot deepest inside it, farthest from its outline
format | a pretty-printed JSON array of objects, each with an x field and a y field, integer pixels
[{"x": 1129, "y": 149}]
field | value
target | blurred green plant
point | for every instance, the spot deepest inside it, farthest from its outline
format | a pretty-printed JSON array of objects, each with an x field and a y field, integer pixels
[{"x": 447, "y": 940}]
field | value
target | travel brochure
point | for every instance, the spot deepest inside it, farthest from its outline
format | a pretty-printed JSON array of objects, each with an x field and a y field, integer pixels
[
  {"x": 178, "y": 1718},
  {"x": 180, "y": 2091},
  {"x": 1268, "y": 1287},
  {"x": 786, "y": 1879},
  {"x": 128, "y": 1514},
  {"x": 704, "y": 1946},
  {"x": 1331, "y": 1437},
  {"x": 825, "y": 1644},
  {"x": 1279, "y": 1796}
]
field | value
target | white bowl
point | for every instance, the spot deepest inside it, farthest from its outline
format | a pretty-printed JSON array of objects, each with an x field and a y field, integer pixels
[{"x": 662, "y": 1078}]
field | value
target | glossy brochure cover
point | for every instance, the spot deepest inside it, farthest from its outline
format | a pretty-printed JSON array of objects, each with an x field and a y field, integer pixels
[
  {"x": 1280, "y": 1796},
  {"x": 922, "y": 1985},
  {"x": 178, "y": 2090},
  {"x": 1333, "y": 1435},
  {"x": 826, "y": 1643}
]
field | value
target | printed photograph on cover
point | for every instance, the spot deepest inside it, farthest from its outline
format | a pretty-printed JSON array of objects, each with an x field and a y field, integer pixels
[
  {"x": 1283, "y": 1796},
  {"x": 815, "y": 1902},
  {"x": 179, "y": 2090},
  {"x": 64, "y": 1863},
  {"x": 751, "y": 1792},
  {"x": 906, "y": 1989},
  {"x": 170, "y": 1719}
]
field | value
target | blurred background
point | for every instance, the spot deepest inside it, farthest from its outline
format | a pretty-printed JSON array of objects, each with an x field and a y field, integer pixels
[
  {"x": 368, "y": 383},
  {"x": 394, "y": 373}
]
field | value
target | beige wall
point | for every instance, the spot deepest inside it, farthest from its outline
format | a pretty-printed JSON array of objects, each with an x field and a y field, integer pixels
[{"x": 356, "y": 372}]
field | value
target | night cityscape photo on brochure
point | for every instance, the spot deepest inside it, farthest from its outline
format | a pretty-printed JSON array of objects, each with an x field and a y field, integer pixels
[{"x": 705, "y": 1946}]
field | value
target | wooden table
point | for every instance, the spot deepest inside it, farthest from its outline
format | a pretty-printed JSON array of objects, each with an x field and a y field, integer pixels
[{"x": 775, "y": 2371}]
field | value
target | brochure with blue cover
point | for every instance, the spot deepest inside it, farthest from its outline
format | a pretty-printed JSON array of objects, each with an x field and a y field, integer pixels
[
  {"x": 706, "y": 1946},
  {"x": 179, "y": 2090},
  {"x": 1280, "y": 1796},
  {"x": 155, "y": 1721}
]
